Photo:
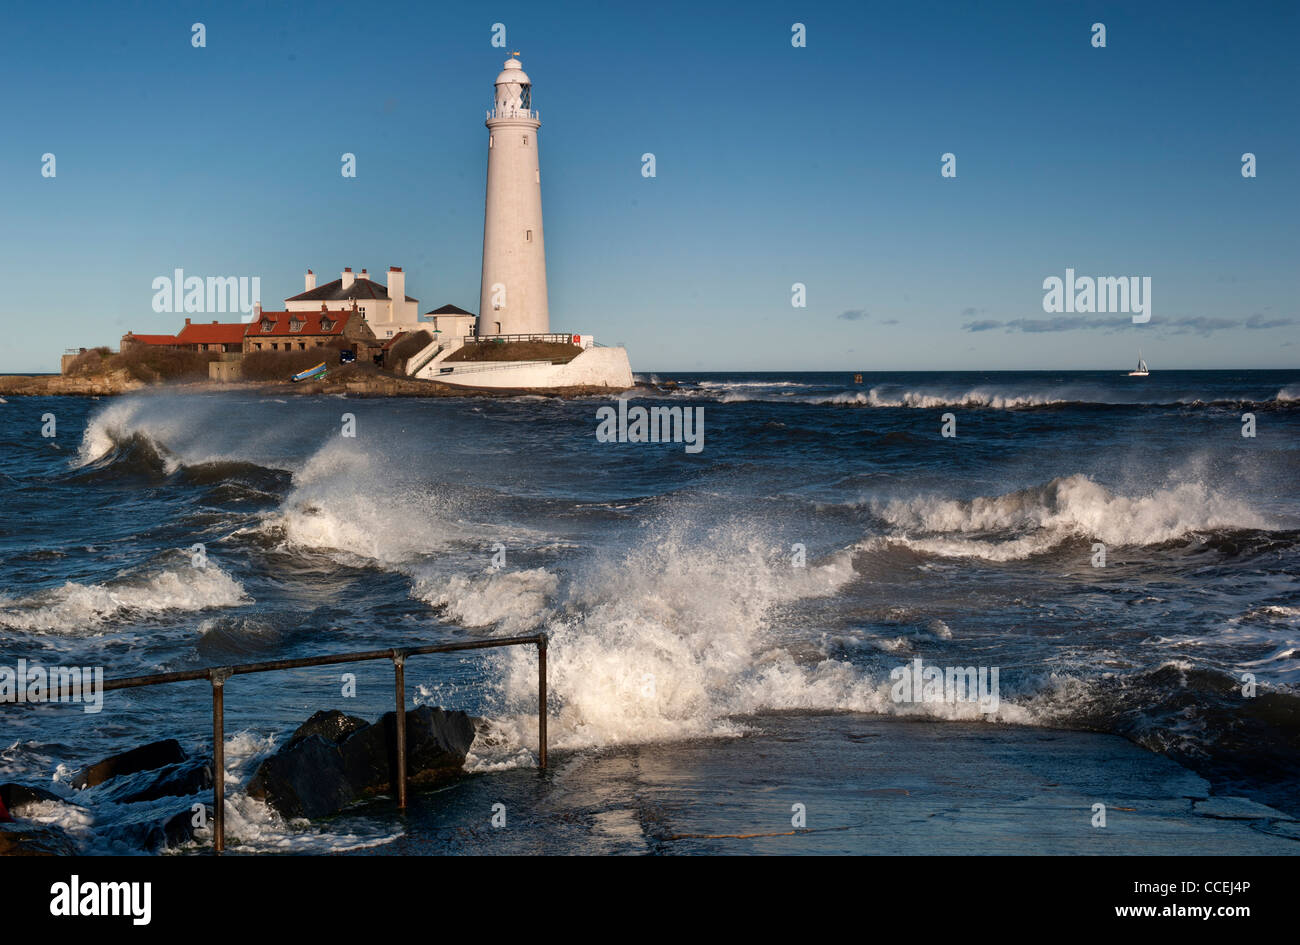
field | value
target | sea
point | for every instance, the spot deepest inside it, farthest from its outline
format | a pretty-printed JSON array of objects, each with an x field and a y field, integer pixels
[{"x": 1124, "y": 551}]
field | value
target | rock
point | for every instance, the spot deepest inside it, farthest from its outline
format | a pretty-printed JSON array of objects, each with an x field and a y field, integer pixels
[
  {"x": 336, "y": 762},
  {"x": 22, "y": 839},
  {"x": 331, "y": 725},
  {"x": 436, "y": 745},
  {"x": 144, "y": 758},
  {"x": 158, "y": 828},
  {"x": 304, "y": 779},
  {"x": 17, "y": 796},
  {"x": 178, "y": 780}
]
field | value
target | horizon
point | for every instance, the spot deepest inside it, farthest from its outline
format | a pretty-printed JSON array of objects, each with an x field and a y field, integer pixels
[{"x": 820, "y": 166}]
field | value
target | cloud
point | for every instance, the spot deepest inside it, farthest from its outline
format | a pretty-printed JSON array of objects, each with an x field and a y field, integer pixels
[
  {"x": 854, "y": 315},
  {"x": 1181, "y": 325},
  {"x": 1258, "y": 321},
  {"x": 890, "y": 321}
]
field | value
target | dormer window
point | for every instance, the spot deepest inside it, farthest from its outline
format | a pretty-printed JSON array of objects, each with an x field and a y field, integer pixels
[
  {"x": 268, "y": 324},
  {"x": 295, "y": 325},
  {"x": 326, "y": 325}
]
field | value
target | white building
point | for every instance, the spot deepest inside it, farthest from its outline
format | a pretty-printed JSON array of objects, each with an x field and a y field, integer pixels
[
  {"x": 388, "y": 310},
  {"x": 512, "y": 296},
  {"x": 449, "y": 323}
]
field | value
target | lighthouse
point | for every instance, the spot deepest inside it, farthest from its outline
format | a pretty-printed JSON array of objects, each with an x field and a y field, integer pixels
[{"x": 512, "y": 296}]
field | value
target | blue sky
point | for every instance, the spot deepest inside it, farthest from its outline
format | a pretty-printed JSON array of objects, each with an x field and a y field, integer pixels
[{"x": 775, "y": 165}]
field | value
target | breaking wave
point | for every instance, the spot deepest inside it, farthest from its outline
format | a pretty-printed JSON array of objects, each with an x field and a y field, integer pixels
[
  {"x": 1035, "y": 520},
  {"x": 75, "y": 606}
]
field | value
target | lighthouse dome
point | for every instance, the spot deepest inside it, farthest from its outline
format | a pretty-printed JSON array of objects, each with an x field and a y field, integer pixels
[{"x": 513, "y": 73}]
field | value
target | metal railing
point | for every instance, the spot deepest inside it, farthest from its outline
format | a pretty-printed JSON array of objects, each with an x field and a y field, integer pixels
[
  {"x": 475, "y": 367},
  {"x": 217, "y": 676},
  {"x": 553, "y": 337},
  {"x": 411, "y": 372},
  {"x": 549, "y": 337}
]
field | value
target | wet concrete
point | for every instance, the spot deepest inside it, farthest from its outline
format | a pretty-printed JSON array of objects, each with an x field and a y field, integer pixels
[{"x": 868, "y": 785}]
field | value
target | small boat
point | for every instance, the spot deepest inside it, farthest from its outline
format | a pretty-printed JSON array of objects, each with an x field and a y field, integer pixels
[
  {"x": 310, "y": 374},
  {"x": 1142, "y": 369}
]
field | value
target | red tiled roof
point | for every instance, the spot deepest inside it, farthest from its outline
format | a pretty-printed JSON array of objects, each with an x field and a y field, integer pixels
[
  {"x": 217, "y": 333},
  {"x": 153, "y": 339},
  {"x": 310, "y": 323}
]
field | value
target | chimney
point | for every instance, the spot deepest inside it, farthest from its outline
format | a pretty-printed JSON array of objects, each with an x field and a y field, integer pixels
[
  {"x": 187, "y": 321},
  {"x": 310, "y": 281},
  {"x": 257, "y": 306},
  {"x": 396, "y": 291},
  {"x": 348, "y": 278},
  {"x": 364, "y": 274}
]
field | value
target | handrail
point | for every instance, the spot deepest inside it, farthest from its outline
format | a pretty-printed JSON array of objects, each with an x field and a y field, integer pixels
[
  {"x": 474, "y": 367},
  {"x": 217, "y": 676},
  {"x": 550, "y": 337},
  {"x": 436, "y": 351}
]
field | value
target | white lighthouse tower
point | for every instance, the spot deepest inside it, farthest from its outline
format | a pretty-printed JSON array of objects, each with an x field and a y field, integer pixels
[{"x": 512, "y": 296}]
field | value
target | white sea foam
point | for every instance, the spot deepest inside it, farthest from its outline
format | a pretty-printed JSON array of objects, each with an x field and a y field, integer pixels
[
  {"x": 75, "y": 606},
  {"x": 676, "y": 639},
  {"x": 1032, "y": 521},
  {"x": 351, "y": 500},
  {"x": 513, "y": 601}
]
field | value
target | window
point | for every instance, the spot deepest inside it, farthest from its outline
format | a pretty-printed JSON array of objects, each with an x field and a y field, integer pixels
[
  {"x": 528, "y": 236},
  {"x": 302, "y": 346},
  {"x": 498, "y": 324},
  {"x": 491, "y": 140},
  {"x": 295, "y": 325},
  {"x": 326, "y": 324},
  {"x": 267, "y": 324},
  {"x": 525, "y": 141}
]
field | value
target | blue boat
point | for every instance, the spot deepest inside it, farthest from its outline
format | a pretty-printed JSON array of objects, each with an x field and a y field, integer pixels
[{"x": 310, "y": 374}]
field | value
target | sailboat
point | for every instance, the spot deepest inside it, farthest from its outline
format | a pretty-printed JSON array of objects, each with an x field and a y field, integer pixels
[{"x": 1142, "y": 369}]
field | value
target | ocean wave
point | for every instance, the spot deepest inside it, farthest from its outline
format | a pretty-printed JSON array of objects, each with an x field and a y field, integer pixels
[
  {"x": 1033, "y": 521},
  {"x": 346, "y": 499},
  {"x": 75, "y": 606},
  {"x": 983, "y": 397},
  {"x": 669, "y": 640},
  {"x": 514, "y": 602}
]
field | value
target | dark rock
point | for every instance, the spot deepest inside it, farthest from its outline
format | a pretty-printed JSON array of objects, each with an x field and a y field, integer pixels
[
  {"x": 331, "y": 725},
  {"x": 157, "y": 828},
  {"x": 313, "y": 776},
  {"x": 22, "y": 839},
  {"x": 178, "y": 780},
  {"x": 304, "y": 779},
  {"x": 180, "y": 828},
  {"x": 144, "y": 758},
  {"x": 436, "y": 745},
  {"x": 17, "y": 796}
]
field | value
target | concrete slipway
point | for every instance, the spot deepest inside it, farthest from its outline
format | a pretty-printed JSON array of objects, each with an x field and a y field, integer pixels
[{"x": 869, "y": 785}]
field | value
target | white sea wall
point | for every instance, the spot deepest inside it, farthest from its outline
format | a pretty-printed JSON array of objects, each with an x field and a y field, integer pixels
[{"x": 594, "y": 367}]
